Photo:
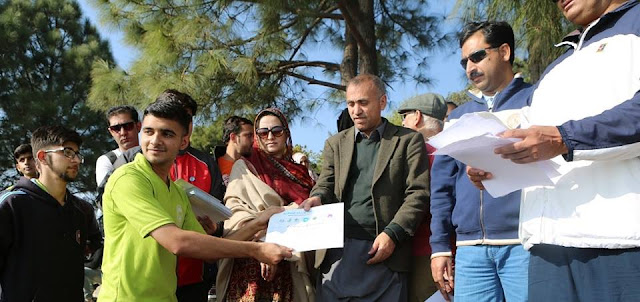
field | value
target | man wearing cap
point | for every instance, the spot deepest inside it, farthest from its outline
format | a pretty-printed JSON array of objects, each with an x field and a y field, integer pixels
[
  {"x": 423, "y": 113},
  {"x": 491, "y": 264}
]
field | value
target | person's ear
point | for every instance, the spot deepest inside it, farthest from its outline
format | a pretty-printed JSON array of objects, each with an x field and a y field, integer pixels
[
  {"x": 41, "y": 156},
  {"x": 418, "y": 119},
  {"x": 232, "y": 137},
  {"x": 505, "y": 52}
]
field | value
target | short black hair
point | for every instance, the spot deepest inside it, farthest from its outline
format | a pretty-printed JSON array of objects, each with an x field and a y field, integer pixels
[
  {"x": 171, "y": 110},
  {"x": 495, "y": 34},
  {"x": 55, "y": 135},
  {"x": 233, "y": 124},
  {"x": 133, "y": 113},
  {"x": 182, "y": 98},
  {"x": 22, "y": 149}
]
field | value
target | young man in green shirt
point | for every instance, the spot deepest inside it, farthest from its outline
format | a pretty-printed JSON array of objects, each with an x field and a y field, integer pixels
[{"x": 148, "y": 219}]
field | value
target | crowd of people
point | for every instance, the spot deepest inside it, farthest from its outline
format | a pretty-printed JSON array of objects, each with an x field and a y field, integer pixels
[{"x": 415, "y": 224}]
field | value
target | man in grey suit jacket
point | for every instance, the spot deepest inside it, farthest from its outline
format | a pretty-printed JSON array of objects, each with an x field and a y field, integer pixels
[{"x": 380, "y": 172}]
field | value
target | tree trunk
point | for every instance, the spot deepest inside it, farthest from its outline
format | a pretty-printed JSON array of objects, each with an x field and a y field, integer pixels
[
  {"x": 349, "y": 65},
  {"x": 368, "y": 60}
]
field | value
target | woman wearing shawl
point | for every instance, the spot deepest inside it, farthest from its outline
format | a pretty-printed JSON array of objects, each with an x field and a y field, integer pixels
[{"x": 260, "y": 186}]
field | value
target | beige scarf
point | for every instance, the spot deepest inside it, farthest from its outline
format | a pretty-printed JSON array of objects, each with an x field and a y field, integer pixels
[{"x": 246, "y": 196}]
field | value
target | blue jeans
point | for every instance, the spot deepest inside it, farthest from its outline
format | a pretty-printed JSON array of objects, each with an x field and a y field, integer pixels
[{"x": 491, "y": 273}]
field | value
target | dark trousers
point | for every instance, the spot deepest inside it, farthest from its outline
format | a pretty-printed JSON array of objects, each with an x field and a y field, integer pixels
[{"x": 583, "y": 274}]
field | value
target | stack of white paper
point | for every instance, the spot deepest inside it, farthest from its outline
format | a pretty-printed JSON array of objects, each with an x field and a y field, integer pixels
[
  {"x": 472, "y": 140},
  {"x": 204, "y": 204}
]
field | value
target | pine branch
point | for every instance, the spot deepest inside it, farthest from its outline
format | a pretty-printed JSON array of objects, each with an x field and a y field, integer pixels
[
  {"x": 313, "y": 81},
  {"x": 293, "y": 64}
]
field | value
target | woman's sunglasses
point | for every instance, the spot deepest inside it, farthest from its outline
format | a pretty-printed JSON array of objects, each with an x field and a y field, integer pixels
[
  {"x": 475, "y": 57},
  {"x": 277, "y": 131},
  {"x": 128, "y": 126}
]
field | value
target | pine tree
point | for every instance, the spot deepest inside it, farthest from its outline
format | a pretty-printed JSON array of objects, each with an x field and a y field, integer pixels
[
  {"x": 237, "y": 57},
  {"x": 46, "y": 54}
]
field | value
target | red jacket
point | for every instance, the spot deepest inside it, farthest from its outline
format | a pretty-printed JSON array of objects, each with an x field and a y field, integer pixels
[{"x": 201, "y": 170}]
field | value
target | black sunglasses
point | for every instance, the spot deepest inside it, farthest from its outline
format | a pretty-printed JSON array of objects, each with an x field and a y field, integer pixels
[
  {"x": 128, "y": 126},
  {"x": 277, "y": 131},
  {"x": 475, "y": 57}
]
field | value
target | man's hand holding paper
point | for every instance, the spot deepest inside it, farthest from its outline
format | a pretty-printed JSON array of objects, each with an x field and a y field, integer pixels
[{"x": 473, "y": 140}]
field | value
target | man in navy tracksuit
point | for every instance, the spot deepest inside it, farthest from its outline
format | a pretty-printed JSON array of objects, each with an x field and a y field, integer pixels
[{"x": 491, "y": 265}]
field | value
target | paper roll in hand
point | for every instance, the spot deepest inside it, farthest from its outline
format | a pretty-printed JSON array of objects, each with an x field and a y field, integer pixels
[{"x": 204, "y": 204}]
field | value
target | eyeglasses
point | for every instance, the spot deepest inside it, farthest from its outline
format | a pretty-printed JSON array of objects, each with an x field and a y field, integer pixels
[
  {"x": 128, "y": 126},
  {"x": 277, "y": 131},
  {"x": 475, "y": 57},
  {"x": 68, "y": 153}
]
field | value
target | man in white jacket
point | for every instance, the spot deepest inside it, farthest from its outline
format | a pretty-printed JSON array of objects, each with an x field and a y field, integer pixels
[{"x": 584, "y": 232}]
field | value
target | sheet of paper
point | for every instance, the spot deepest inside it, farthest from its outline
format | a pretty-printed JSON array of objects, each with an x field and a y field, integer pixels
[
  {"x": 472, "y": 140},
  {"x": 320, "y": 228}
]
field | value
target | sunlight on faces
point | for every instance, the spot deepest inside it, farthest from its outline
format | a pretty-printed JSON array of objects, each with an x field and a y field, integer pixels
[
  {"x": 365, "y": 105},
  {"x": 409, "y": 119},
  {"x": 487, "y": 74},
  {"x": 161, "y": 140},
  {"x": 57, "y": 163},
  {"x": 127, "y": 135},
  {"x": 272, "y": 145},
  {"x": 26, "y": 165}
]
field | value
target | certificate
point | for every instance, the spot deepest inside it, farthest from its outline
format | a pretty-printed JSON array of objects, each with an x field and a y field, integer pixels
[{"x": 322, "y": 227}]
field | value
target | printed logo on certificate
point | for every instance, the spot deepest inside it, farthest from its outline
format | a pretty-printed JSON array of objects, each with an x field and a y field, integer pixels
[{"x": 320, "y": 228}]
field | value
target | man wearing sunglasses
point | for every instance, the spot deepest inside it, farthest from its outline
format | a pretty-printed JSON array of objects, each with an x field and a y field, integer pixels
[
  {"x": 124, "y": 127},
  {"x": 490, "y": 263},
  {"x": 44, "y": 229},
  {"x": 584, "y": 232}
]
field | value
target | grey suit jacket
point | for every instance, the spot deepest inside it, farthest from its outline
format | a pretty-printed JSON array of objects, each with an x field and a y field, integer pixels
[{"x": 400, "y": 189}]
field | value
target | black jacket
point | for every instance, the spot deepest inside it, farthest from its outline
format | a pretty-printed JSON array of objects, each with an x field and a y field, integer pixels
[{"x": 42, "y": 244}]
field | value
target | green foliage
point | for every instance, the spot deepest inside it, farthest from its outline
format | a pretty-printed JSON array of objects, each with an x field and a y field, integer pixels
[
  {"x": 538, "y": 26},
  {"x": 237, "y": 57},
  {"x": 45, "y": 57},
  {"x": 395, "y": 118},
  {"x": 459, "y": 97},
  {"x": 315, "y": 158}
]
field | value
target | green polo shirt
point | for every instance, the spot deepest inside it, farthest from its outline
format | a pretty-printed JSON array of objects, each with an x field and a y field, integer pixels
[{"x": 135, "y": 266}]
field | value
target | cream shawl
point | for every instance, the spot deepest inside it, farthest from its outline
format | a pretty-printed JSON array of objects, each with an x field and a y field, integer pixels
[{"x": 246, "y": 196}]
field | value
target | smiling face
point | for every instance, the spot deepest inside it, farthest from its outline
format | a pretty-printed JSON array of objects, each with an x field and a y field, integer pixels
[
  {"x": 491, "y": 74},
  {"x": 161, "y": 140},
  {"x": 273, "y": 145},
  {"x": 583, "y": 12}
]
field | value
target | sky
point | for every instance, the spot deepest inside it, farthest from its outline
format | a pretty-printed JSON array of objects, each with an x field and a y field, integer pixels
[{"x": 312, "y": 130}]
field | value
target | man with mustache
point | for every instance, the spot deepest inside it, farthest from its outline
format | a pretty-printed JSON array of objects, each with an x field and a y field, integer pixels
[
  {"x": 44, "y": 229},
  {"x": 490, "y": 263},
  {"x": 584, "y": 232},
  {"x": 124, "y": 126}
]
